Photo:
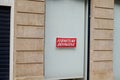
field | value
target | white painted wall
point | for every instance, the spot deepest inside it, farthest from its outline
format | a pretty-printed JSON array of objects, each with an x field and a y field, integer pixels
[
  {"x": 64, "y": 18},
  {"x": 117, "y": 41},
  {"x": 6, "y": 2}
]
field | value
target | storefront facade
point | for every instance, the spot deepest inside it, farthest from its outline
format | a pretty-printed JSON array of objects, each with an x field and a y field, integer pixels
[{"x": 29, "y": 33}]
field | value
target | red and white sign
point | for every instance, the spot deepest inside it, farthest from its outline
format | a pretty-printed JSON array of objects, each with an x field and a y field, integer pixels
[{"x": 66, "y": 42}]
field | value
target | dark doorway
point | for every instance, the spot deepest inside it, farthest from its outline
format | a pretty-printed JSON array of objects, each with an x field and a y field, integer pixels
[{"x": 4, "y": 42}]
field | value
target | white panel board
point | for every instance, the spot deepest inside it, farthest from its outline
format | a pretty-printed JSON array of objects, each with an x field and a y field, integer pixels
[
  {"x": 64, "y": 18},
  {"x": 117, "y": 41}
]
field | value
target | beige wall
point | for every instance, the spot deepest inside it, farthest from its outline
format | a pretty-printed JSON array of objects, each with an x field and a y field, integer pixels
[
  {"x": 101, "y": 42},
  {"x": 29, "y": 40}
]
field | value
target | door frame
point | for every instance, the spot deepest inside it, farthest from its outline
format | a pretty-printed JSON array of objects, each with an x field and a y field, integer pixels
[
  {"x": 11, "y": 5},
  {"x": 87, "y": 9},
  {"x": 12, "y": 41}
]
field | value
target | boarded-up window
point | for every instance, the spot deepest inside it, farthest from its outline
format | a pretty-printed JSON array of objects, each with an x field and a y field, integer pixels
[{"x": 4, "y": 42}]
